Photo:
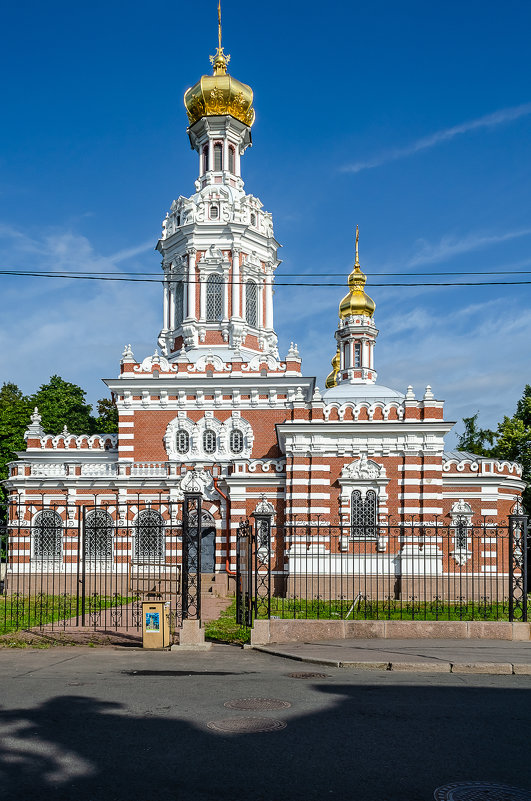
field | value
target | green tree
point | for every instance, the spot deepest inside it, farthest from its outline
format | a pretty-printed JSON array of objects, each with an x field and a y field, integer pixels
[
  {"x": 63, "y": 404},
  {"x": 15, "y": 410},
  {"x": 107, "y": 420},
  {"x": 511, "y": 440},
  {"x": 474, "y": 439}
]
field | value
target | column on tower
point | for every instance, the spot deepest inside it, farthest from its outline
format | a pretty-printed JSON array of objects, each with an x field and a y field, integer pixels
[
  {"x": 191, "y": 284},
  {"x": 236, "y": 283},
  {"x": 269, "y": 299}
]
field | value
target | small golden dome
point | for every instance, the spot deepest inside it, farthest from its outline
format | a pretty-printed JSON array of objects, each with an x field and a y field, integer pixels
[
  {"x": 331, "y": 380},
  {"x": 219, "y": 93},
  {"x": 357, "y": 301}
]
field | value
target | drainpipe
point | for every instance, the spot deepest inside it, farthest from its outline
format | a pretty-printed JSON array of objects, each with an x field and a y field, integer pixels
[{"x": 227, "y": 528}]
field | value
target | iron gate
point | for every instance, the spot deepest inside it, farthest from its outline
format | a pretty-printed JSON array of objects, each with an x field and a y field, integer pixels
[{"x": 65, "y": 566}]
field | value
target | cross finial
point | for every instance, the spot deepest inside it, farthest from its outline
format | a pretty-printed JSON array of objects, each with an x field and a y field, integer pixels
[
  {"x": 357, "y": 262},
  {"x": 219, "y": 24}
]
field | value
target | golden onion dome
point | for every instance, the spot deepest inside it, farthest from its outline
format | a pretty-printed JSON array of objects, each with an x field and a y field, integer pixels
[
  {"x": 331, "y": 380},
  {"x": 357, "y": 301},
  {"x": 219, "y": 93}
]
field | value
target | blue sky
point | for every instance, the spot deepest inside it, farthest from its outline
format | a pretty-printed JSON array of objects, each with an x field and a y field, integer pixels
[{"x": 411, "y": 119}]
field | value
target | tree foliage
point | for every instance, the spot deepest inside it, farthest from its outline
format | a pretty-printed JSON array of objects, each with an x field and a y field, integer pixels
[
  {"x": 511, "y": 440},
  {"x": 60, "y": 404}
]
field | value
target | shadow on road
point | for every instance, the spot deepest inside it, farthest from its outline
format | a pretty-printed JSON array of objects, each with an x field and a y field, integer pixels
[{"x": 369, "y": 743}]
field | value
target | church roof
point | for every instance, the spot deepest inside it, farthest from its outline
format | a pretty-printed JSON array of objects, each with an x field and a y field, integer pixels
[{"x": 361, "y": 392}]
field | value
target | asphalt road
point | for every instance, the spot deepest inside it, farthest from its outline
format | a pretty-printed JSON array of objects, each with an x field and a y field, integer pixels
[{"x": 81, "y": 724}]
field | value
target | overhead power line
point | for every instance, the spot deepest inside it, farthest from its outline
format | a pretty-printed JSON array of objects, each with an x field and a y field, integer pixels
[{"x": 114, "y": 277}]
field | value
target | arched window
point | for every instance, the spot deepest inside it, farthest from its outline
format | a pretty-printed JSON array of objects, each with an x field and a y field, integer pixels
[
  {"x": 214, "y": 298},
  {"x": 209, "y": 441},
  {"x": 205, "y": 158},
  {"x": 231, "y": 159},
  {"x": 98, "y": 536},
  {"x": 251, "y": 303},
  {"x": 182, "y": 443},
  {"x": 47, "y": 536},
  {"x": 218, "y": 157},
  {"x": 214, "y": 212},
  {"x": 149, "y": 537},
  {"x": 253, "y": 219},
  {"x": 364, "y": 515},
  {"x": 357, "y": 355},
  {"x": 236, "y": 440},
  {"x": 179, "y": 303}
]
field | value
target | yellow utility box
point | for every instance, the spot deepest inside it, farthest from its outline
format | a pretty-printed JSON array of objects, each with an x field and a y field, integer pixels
[{"x": 155, "y": 624}]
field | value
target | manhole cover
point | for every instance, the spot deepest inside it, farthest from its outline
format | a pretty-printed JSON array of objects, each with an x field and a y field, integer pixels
[
  {"x": 246, "y": 725},
  {"x": 308, "y": 675},
  {"x": 257, "y": 703},
  {"x": 480, "y": 791}
]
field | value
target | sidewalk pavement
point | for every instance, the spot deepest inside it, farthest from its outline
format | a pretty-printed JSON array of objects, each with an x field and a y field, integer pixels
[{"x": 426, "y": 656}]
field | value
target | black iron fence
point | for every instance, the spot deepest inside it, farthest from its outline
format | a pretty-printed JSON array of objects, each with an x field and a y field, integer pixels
[
  {"x": 68, "y": 565},
  {"x": 406, "y": 571}
]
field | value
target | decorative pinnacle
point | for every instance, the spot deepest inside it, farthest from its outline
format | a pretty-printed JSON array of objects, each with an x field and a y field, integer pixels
[
  {"x": 219, "y": 61},
  {"x": 357, "y": 262}
]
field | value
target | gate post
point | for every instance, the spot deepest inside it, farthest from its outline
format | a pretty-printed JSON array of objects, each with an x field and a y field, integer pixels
[
  {"x": 244, "y": 576},
  {"x": 518, "y": 566},
  {"x": 191, "y": 555},
  {"x": 263, "y": 521}
]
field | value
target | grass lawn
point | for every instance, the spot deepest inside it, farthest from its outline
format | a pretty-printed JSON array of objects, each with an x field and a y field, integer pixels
[
  {"x": 225, "y": 628},
  {"x": 302, "y": 609},
  {"x": 28, "y": 611}
]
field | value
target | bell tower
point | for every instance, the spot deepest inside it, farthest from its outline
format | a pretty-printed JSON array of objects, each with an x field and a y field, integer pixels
[
  {"x": 218, "y": 249},
  {"x": 356, "y": 333}
]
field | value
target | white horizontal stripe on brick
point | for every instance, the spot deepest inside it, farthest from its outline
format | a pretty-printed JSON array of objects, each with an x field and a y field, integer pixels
[
  {"x": 296, "y": 510},
  {"x": 489, "y": 554},
  {"x": 125, "y": 424},
  {"x": 126, "y": 447},
  {"x": 435, "y": 468},
  {"x": 305, "y": 482},
  {"x": 126, "y": 436},
  {"x": 321, "y": 468},
  {"x": 325, "y": 496}
]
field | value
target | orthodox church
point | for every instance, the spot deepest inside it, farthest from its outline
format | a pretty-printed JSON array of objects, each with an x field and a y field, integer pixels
[{"x": 216, "y": 405}]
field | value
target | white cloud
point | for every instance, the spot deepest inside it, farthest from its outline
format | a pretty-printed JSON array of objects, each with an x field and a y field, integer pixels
[
  {"x": 427, "y": 142},
  {"x": 450, "y": 246},
  {"x": 72, "y": 327}
]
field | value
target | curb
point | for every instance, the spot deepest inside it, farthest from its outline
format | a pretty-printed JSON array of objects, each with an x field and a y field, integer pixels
[{"x": 477, "y": 668}]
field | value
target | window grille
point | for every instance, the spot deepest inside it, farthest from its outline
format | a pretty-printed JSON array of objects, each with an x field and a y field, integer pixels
[
  {"x": 364, "y": 515},
  {"x": 47, "y": 539},
  {"x": 205, "y": 158},
  {"x": 461, "y": 535},
  {"x": 182, "y": 441},
  {"x": 98, "y": 535},
  {"x": 236, "y": 440},
  {"x": 214, "y": 298},
  {"x": 149, "y": 537},
  {"x": 218, "y": 157},
  {"x": 357, "y": 355},
  {"x": 179, "y": 303},
  {"x": 253, "y": 219},
  {"x": 209, "y": 441},
  {"x": 214, "y": 212},
  {"x": 231, "y": 159},
  {"x": 251, "y": 303}
]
